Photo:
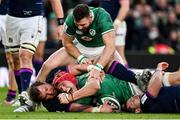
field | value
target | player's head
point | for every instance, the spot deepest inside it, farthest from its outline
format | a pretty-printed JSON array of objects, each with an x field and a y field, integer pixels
[
  {"x": 40, "y": 91},
  {"x": 82, "y": 16},
  {"x": 133, "y": 104},
  {"x": 65, "y": 82}
]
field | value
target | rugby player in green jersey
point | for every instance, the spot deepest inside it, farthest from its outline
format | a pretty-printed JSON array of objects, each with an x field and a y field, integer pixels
[
  {"x": 88, "y": 38},
  {"x": 108, "y": 88}
]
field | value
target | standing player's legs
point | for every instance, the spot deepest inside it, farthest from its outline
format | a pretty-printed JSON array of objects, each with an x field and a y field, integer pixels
[
  {"x": 120, "y": 41},
  {"x": 11, "y": 94},
  {"x": 39, "y": 54},
  {"x": 29, "y": 39},
  {"x": 23, "y": 38}
]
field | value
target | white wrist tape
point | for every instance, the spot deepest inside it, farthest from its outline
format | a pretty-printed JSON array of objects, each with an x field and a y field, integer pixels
[
  {"x": 81, "y": 58},
  {"x": 90, "y": 67},
  {"x": 96, "y": 109},
  {"x": 165, "y": 79},
  {"x": 98, "y": 67}
]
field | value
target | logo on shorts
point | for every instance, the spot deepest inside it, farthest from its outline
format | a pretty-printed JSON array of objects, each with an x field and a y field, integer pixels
[
  {"x": 10, "y": 40},
  {"x": 92, "y": 32}
]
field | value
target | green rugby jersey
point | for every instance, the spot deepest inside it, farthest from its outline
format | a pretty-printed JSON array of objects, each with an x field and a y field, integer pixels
[
  {"x": 113, "y": 89},
  {"x": 101, "y": 24}
]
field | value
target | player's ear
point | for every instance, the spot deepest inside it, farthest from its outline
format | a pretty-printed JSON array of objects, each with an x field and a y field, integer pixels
[{"x": 138, "y": 110}]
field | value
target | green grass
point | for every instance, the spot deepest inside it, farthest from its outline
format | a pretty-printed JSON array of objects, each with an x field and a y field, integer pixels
[{"x": 6, "y": 113}]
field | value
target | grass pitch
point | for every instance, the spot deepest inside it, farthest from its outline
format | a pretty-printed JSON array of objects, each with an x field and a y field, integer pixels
[{"x": 6, "y": 112}]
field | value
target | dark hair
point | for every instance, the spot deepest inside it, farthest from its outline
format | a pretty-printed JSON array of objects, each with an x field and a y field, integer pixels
[
  {"x": 34, "y": 92},
  {"x": 80, "y": 11}
]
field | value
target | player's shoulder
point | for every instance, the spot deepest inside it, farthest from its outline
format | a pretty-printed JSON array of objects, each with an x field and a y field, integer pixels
[
  {"x": 100, "y": 14},
  {"x": 98, "y": 10}
]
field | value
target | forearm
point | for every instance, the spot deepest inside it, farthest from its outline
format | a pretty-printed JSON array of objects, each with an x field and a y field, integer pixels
[
  {"x": 123, "y": 10},
  {"x": 106, "y": 55},
  {"x": 155, "y": 83},
  {"x": 57, "y": 8},
  {"x": 72, "y": 50},
  {"x": 75, "y": 107},
  {"x": 88, "y": 90}
]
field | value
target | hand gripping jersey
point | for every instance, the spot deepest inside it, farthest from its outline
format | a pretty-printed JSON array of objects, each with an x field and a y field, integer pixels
[{"x": 101, "y": 24}]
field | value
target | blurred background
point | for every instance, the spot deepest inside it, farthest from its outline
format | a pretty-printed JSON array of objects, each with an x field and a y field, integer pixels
[{"x": 153, "y": 32}]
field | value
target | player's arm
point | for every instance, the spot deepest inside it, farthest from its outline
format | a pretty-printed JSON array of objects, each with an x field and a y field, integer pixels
[
  {"x": 57, "y": 8},
  {"x": 68, "y": 44},
  {"x": 109, "y": 41},
  {"x": 123, "y": 11},
  {"x": 75, "y": 107},
  {"x": 155, "y": 82},
  {"x": 77, "y": 69},
  {"x": 90, "y": 88}
]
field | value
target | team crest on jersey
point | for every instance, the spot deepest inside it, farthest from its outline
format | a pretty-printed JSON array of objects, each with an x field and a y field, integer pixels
[
  {"x": 79, "y": 32},
  {"x": 92, "y": 32}
]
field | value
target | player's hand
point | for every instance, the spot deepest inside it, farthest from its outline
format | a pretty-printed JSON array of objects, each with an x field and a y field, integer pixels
[
  {"x": 87, "y": 61},
  {"x": 95, "y": 74},
  {"x": 59, "y": 32},
  {"x": 65, "y": 98},
  {"x": 162, "y": 66},
  {"x": 106, "y": 107}
]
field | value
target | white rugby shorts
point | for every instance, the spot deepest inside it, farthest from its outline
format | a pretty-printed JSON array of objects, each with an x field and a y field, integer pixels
[
  {"x": 121, "y": 34},
  {"x": 94, "y": 52},
  {"x": 3, "y": 36},
  {"x": 43, "y": 35},
  {"x": 23, "y": 33}
]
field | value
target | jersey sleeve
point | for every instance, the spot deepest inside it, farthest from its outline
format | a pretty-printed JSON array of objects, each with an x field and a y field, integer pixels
[
  {"x": 69, "y": 26},
  {"x": 147, "y": 102},
  {"x": 105, "y": 22},
  {"x": 54, "y": 106}
]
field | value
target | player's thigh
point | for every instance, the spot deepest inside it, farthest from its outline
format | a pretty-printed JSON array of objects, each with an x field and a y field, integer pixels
[{"x": 59, "y": 58}]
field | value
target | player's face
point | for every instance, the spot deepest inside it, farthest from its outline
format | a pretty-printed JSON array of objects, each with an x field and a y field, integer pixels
[
  {"x": 84, "y": 23},
  {"x": 133, "y": 103},
  {"x": 67, "y": 86},
  {"x": 47, "y": 91}
]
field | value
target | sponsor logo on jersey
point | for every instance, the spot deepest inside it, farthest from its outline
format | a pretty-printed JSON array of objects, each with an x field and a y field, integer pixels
[
  {"x": 85, "y": 38},
  {"x": 79, "y": 32},
  {"x": 92, "y": 32}
]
